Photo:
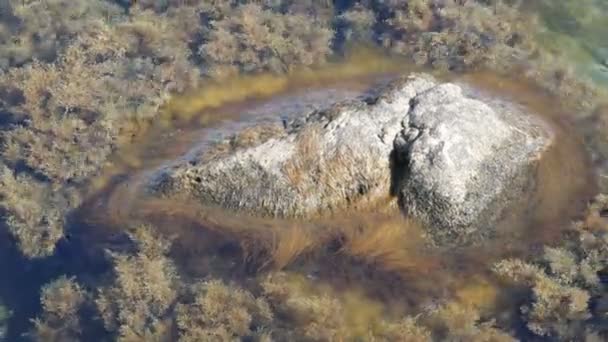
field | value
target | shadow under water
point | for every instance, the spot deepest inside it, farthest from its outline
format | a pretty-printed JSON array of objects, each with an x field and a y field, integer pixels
[{"x": 376, "y": 252}]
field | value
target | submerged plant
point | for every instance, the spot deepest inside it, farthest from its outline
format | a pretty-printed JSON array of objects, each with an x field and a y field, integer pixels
[
  {"x": 451, "y": 34},
  {"x": 567, "y": 285},
  {"x": 64, "y": 116},
  {"x": 252, "y": 38},
  {"x": 5, "y": 315},
  {"x": 577, "y": 30},
  {"x": 60, "y": 319},
  {"x": 391, "y": 245},
  {"x": 41, "y": 30},
  {"x": 79, "y": 78},
  {"x": 457, "y": 322},
  {"x": 220, "y": 312},
  {"x": 137, "y": 303},
  {"x": 34, "y": 211}
]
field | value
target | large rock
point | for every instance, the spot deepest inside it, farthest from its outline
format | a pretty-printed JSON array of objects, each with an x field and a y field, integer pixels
[
  {"x": 465, "y": 159},
  {"x": 455, "y": 158}
]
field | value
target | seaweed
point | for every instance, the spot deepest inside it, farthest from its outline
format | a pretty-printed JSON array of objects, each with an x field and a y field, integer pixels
[
  {"x": 252, "y": 39},
  {"x": 5, "y": 315},
  {"x": 79, "y": 80},
  {"x": 34, "y": 211},
  {"x": 142, "y": 292},
  {"x": 61, "y": 300},
  {"x": 566, "y": 285}
]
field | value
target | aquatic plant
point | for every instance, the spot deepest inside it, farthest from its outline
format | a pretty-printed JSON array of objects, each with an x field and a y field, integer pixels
[
  {"x": 356, "y": 24},
  {"x": 34, "y": 211},
  {"x": 392, "y": 245},
  {"x": 5, "y": 315},
  {"x": 290, "y": 243},
  {"x": 576, "y": 31},
  {"x": 90, "y": 74},
  {"x": 137, "y": 302},
  {"x": 446, "y": 34},
  {"x": 316, "y": 317},
  {"x": 457, "y": 322},
  {"x": 71, "y": 112},
  {"x": 40, "y": 30},
  {"x": 144, "y": 298},
  {"x": 61, "y": 302},
  {"x": 502, "y": 36},
  {"x": 79, "y": 78},
  {"x": 67, "y": 115},
  {"x": 406, "y": 330},
  {"x": 220, "y": 312},
  {"x": 252, "y": 38},
  {"x": 566, "y": 286},
  {"x": 308, "y": 308}
]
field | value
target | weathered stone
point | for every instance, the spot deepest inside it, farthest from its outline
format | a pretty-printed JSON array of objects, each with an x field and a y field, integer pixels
[
  {"x": 329, "y": 159},
  {"x": 466, "y": 160},
  {"x": 456, "y": 159}
]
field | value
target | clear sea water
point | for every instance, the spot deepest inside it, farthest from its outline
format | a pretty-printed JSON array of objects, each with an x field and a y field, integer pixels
[{"x": 576, "y": 30}]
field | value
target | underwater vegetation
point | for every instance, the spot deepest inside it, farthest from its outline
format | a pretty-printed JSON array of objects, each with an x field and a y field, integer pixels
[
  {"x": 108, "y": 71},
  {"x": 566, "y": 287},
  {"x": 145, "y": 300},
  {"x": 83, "y": 80},
  {"x": 577, "y": 31},
  {"x": 61, "y": 301},
  {"x": 5, "y": 314}
]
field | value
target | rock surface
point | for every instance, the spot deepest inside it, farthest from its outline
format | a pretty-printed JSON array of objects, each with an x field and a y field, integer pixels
[
  {"x": 456, "y": 159},
  {"x": 466, "y": 159}
]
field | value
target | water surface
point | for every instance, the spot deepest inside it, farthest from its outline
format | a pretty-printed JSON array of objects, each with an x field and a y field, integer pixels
[
  {"x": 576, "y": 30},
  {"x": 409, "y": 278},
  {"x": 406, "y": 277}
]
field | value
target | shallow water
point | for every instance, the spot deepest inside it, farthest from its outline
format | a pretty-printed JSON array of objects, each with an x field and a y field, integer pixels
[
  {"x": 396, "y": 274},
  {"x": 577, "y": 31},
  {"x": 399, "y": 274},
  {"x": 407, "y": 277}
]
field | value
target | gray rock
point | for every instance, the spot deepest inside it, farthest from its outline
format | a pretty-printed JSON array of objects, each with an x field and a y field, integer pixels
[
  {"x": 466, "y": 159},
  {"x": 327, "y": 160},
  {"x": 456, "y": 159}
]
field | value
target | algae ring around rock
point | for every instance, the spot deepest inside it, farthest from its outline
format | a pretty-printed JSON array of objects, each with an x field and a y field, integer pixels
[{"x": 455, "y": 158}]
